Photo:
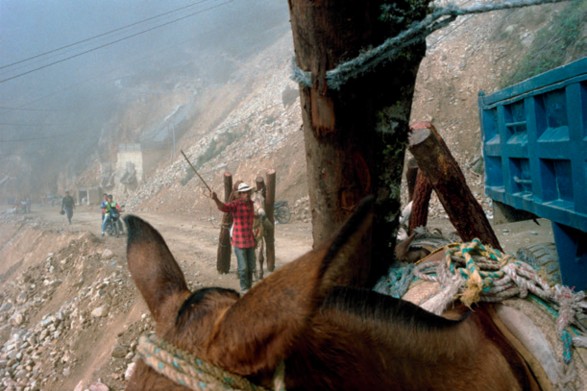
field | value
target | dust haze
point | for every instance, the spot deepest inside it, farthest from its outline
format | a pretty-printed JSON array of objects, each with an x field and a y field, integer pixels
[{"x": 70, "y": 71}]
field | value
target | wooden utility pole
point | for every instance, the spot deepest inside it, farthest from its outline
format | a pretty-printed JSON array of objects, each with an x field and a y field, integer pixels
[
  {"x": 224, "y": 246},
  {"x": 449, "y": 183},
  {"x": 355, "y": 133}
]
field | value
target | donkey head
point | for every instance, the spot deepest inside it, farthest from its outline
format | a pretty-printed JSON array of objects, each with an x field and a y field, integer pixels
[
  {"x": 259, "y": 203},
  {"x": 250, "y": 335}
]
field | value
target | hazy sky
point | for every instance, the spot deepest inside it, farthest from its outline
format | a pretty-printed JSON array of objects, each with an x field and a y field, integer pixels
[
  {"x": 47, "y": 46},
  {"x": 64, "y": 64}
]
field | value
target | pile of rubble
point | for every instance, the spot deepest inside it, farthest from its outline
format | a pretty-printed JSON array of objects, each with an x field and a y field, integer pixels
[{"x": 38, "y": 349}]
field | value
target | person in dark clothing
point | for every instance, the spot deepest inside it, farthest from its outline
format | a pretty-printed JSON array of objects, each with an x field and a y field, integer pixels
[{"x": 67, "y": 206}]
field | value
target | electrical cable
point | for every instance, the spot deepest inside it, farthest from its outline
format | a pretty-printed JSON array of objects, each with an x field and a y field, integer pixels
[
  {"x": 100, "y": 35},
  {"x": 112, "y": 42}
]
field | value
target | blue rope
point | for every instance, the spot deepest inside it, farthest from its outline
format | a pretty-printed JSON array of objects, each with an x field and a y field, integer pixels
[{"x": 397, "y": 282}]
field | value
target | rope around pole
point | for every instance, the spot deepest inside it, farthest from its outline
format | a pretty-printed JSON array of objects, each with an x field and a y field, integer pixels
[
  {"x": 390, "y": 48},
  {"x": 189, "y": 371}
]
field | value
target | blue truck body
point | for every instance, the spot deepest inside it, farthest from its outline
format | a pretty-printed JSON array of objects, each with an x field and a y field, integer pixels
[{"x": 535, "y": 154}]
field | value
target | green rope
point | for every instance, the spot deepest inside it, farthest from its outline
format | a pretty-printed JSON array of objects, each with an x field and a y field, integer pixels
[
  {"x": 489, "y": 275},
  {"x": 190, "y": 371},
  {"x": 567, "y": 341},
  {"x": 483, "y": 267}
]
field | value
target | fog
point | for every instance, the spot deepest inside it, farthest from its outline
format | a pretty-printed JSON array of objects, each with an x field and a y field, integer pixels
[{"x": 69, "y": 68}]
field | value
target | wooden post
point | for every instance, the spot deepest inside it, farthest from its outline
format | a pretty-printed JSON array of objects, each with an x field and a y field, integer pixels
[
  {"x": 355, "y": 131},
  {"x": 420, "y": 202},
  {"x": 260, "y": 186},
  {"x": 411, "y": 177},
  {"x": 419, "y": 190},
  {"x": 267, "y": 226},
  {"x": 447, "y": 179},
  {"x": 224, "y": 247},
  {"x": 270, "y": 234}
]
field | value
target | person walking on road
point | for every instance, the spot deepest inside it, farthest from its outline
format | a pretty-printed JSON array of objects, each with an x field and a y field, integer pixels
[
  {"x": 67, "y": 206},
  {"x": 243, "y": 239}
]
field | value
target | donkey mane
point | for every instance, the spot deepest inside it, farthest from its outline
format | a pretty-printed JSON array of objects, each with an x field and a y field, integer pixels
[{"x": 372, "y": 305}]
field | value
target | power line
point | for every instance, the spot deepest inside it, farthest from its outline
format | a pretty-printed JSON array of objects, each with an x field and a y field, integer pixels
[
  {"x": 101, "y": 35},
  {"x": 29, "y": 125},
  {"x": 25, "y": 109},
  {"x": 113, "y": 42},
  {"x": 99, "y": 76},
  {"x": 53, "y": 136}
]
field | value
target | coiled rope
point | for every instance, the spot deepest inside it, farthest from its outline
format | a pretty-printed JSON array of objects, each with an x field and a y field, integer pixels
[
  {"x": 189, "y": 371},
  {"x": 473, "y": 272}
]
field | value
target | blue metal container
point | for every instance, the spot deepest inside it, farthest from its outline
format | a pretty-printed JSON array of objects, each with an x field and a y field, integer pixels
[{"x": 535, "y": 150}]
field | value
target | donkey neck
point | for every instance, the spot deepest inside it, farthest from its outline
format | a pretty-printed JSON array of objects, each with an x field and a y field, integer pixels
[
  {"x": 402, "y": 325},
  {"x": 402, "y": 347}
]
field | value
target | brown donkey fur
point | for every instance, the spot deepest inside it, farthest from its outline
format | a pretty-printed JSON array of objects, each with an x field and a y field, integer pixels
[{"x": 329, "y": 337}]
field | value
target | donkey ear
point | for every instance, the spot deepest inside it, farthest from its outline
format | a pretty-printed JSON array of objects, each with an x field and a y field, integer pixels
[
  {"x": 258, "y": 331},
  {"x": 154, "y": 270}
]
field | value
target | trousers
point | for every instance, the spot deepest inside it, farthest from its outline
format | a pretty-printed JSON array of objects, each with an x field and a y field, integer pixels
[{"x": 245, "y": 258}]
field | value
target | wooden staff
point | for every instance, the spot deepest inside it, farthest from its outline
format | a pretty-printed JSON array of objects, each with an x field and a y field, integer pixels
[{"x": 193, "y": 168}]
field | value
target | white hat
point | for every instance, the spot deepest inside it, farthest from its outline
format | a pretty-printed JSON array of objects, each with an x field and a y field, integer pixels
[{"x": 243, "y": 187}]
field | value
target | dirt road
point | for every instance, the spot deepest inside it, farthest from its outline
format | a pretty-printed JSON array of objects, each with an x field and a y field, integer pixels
[
  {"x": 69, "y": 312},
  {"x": 193, "y": 240}
]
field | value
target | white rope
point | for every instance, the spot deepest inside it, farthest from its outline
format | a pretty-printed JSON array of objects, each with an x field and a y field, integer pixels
[
  {"x": 497, "y": 277},
  {"x": 391, "y": 47}
]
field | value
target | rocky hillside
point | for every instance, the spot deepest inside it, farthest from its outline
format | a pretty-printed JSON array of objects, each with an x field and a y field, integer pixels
[
  {"x": 251, "y": 124},
  {"x": 476, "y": 53},
  {"x": 54, "y": 309}
]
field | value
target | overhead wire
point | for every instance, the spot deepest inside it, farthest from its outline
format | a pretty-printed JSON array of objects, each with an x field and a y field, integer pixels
[
  {"x": 74, "y": 86},
  {"x": 26, "y": 139},
  {"x": 101, "y": 34},
  {"x": 24, "y": 109},
  {"x": 71, "y": 137},
  {"x": 113, "y": 42},
  {"x": 25, "y": 125}
]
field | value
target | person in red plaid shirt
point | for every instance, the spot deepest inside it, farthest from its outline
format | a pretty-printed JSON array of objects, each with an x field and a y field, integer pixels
[{"x": 243, "y": 239}]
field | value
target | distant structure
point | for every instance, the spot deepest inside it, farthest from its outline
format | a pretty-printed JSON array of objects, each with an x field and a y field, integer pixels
[{"x": 129, "y": 165}]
